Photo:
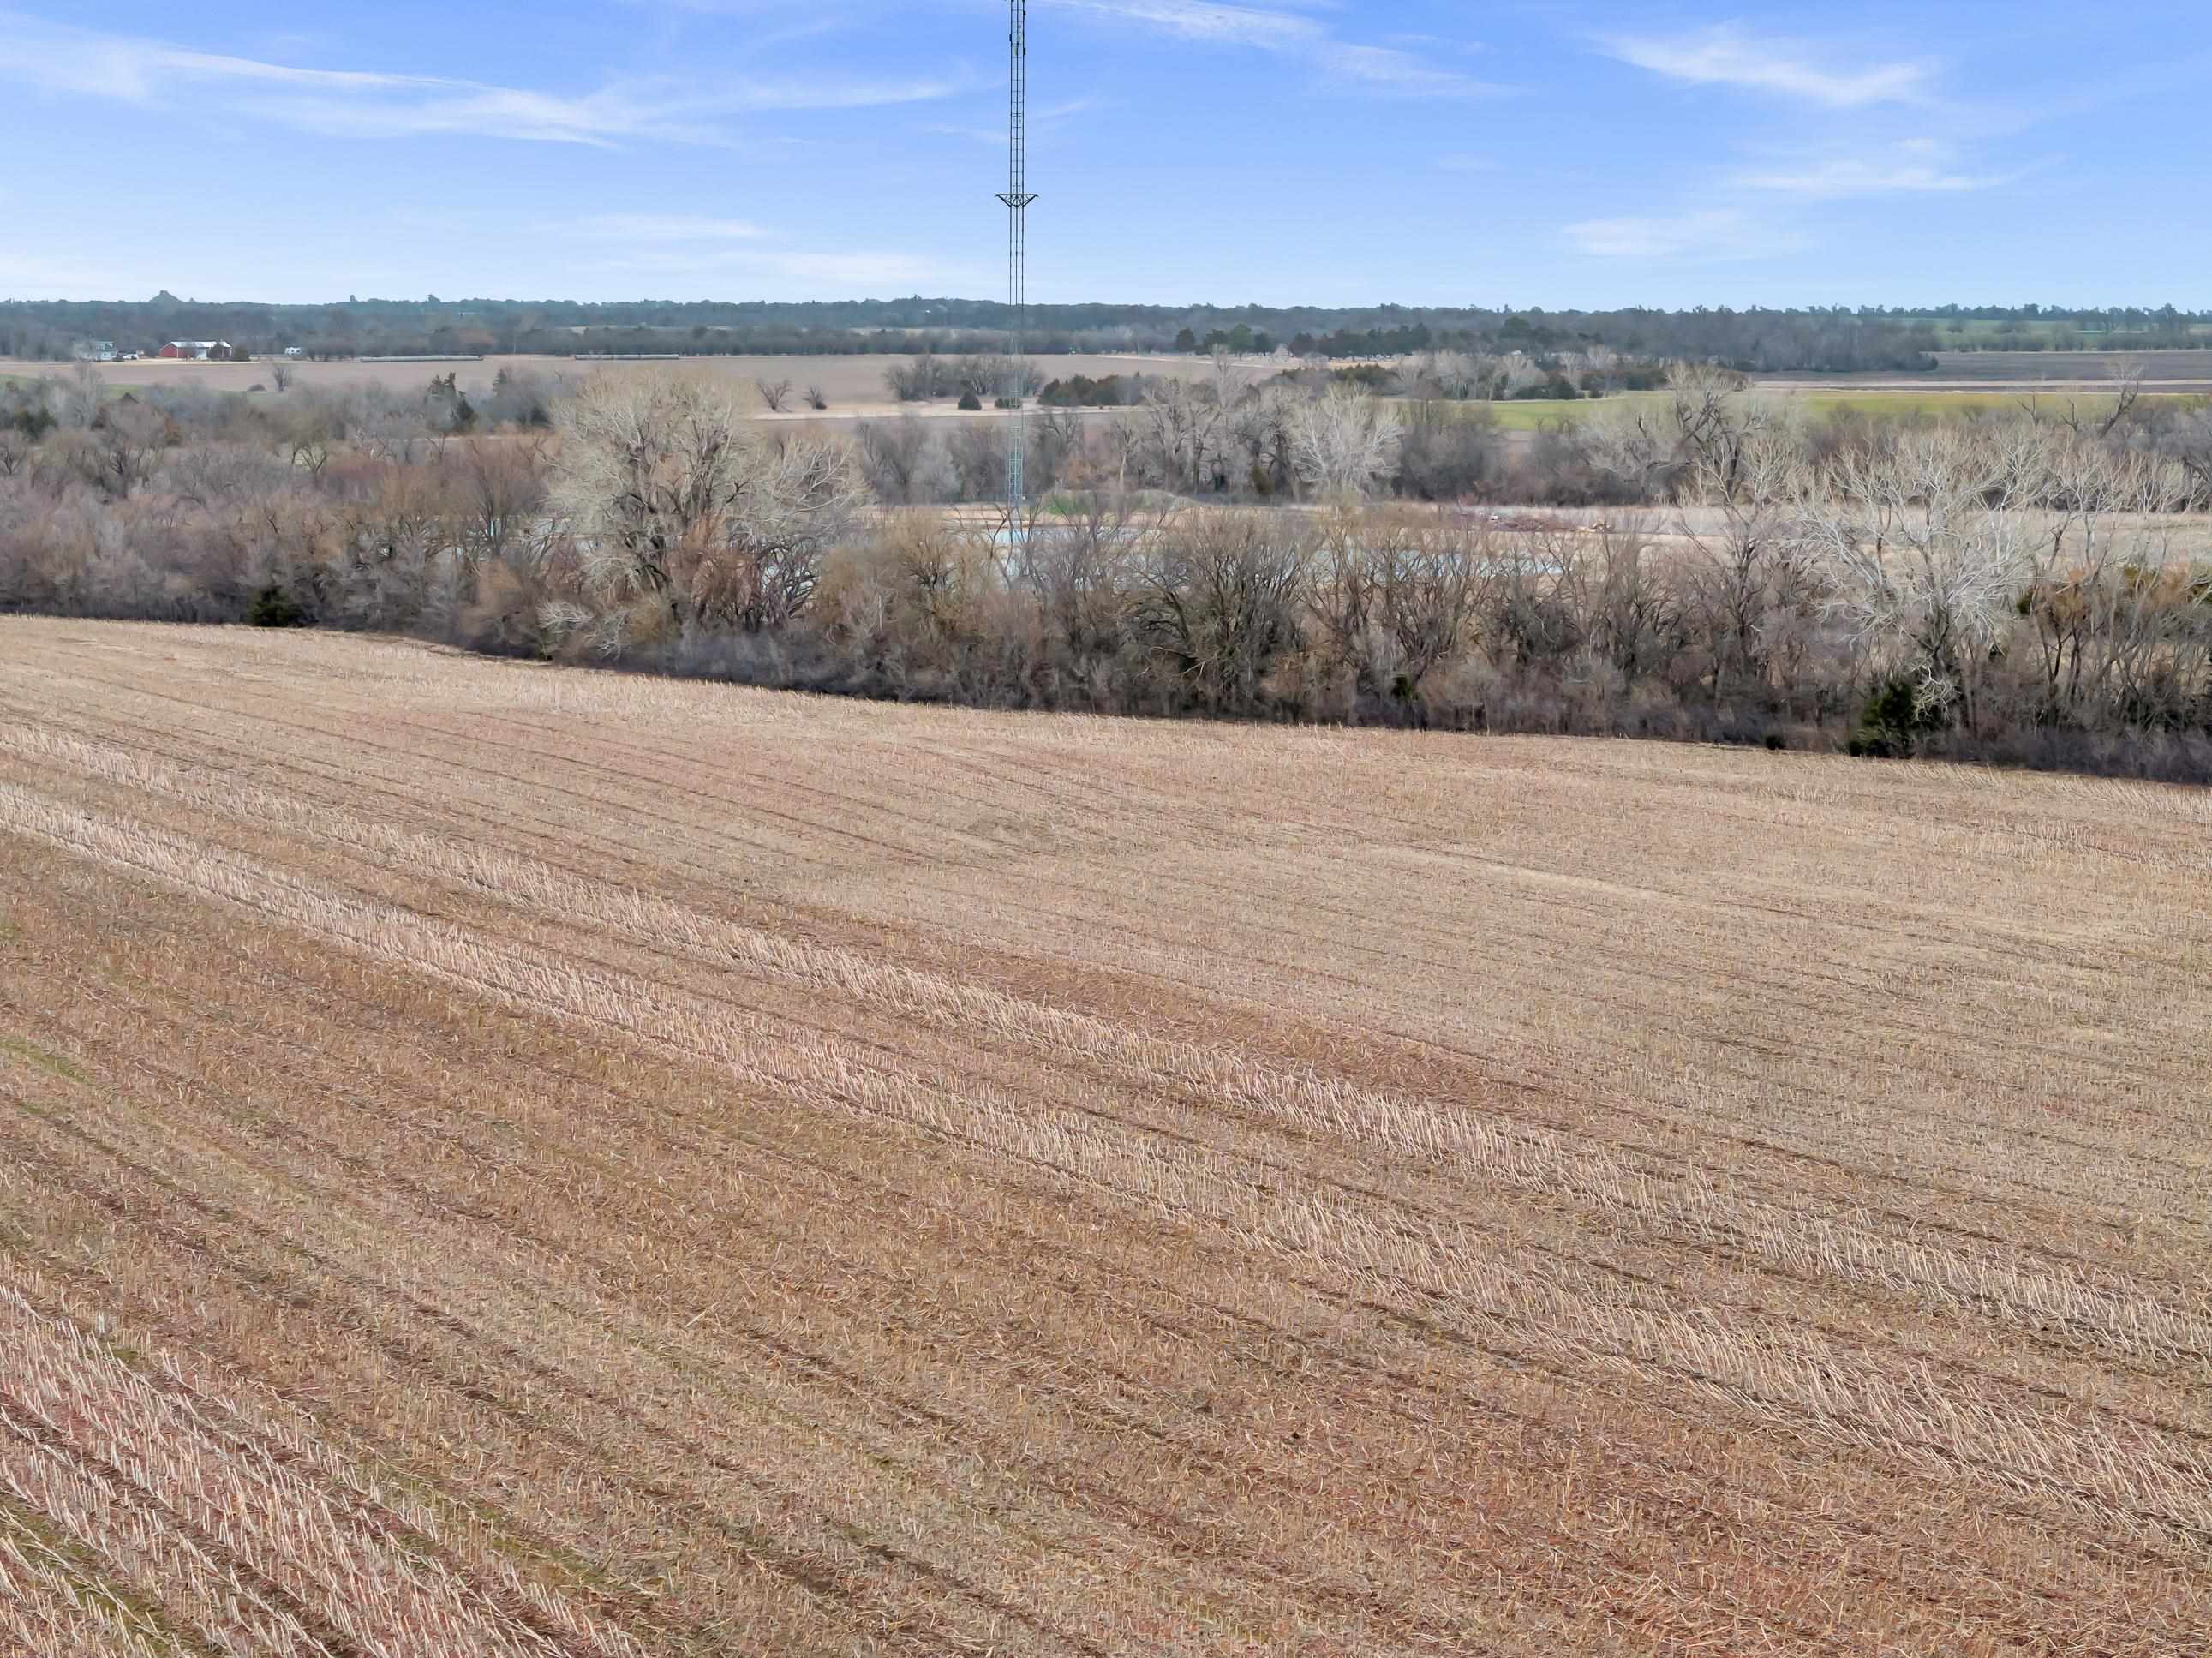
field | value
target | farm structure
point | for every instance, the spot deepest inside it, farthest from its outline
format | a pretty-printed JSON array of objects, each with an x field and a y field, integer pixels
[{"x": 496, "y": 1158}]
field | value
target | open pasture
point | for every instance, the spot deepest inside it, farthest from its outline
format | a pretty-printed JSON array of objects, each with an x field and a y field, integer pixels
[{"x": 501, "y": 1159}]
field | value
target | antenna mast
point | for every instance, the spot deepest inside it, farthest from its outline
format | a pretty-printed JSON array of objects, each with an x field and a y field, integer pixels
[{"x": 1018, "y": 197}]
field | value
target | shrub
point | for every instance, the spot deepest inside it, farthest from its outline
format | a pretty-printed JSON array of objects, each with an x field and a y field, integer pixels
[
  {"x": 970, "y": 404},
  {"x": 1367, "y": 377},
  {"x": 274, "y": 607},
  {"x": 1896, "y": 717}
]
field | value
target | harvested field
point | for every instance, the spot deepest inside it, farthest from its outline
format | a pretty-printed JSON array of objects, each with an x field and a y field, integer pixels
[
  {"x": 2179, "y": 371},
  {"x": 501, "y": 1159},
  {"x": 853, "y": 385},
  {"x": 1531, "y": 415}
]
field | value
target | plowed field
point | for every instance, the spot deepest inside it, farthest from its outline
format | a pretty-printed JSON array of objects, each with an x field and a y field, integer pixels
[{"x": 511, "y": 1160}]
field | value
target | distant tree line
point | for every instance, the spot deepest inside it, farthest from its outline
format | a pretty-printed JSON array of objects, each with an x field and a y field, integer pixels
[
  {"x": 1813, "y": 340},
  {"x": 2064, "y": 328}
]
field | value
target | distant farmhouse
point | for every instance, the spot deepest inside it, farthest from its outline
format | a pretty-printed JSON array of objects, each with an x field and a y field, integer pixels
[
  {"x": 198, "y": 350},
  {"x": 96, "y": 351}
]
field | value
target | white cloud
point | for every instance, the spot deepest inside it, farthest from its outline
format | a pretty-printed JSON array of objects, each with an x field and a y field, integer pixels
[
  {"x": 1341, "y": 64},
  {"x": 666, "y": 228},
  {"x": 706, "y": 250},
  {"x": 1419, "y": 42},
  {"x": 1205, "y": 20},
  {"x": 881, "y": 271},
  {"x": 1044, "y": 117},
  {"x": 1827, "y": 180},
  {"x": 1388, "y": 69},
  {"x": 352, "y": 103},
  {"x": 1725, "y": 56},
  {"x": 1715, "y": 233}
]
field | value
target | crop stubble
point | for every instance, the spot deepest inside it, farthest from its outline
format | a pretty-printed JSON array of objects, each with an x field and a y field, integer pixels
[{"x": 504, "y": 1159}]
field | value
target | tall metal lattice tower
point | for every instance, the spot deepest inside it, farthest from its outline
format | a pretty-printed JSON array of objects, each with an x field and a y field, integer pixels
[{"x": 1017, "y": 196}]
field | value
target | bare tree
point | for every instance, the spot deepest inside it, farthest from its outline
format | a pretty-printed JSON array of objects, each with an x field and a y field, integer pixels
[
  {"x": 671, "y": 497},
  {"x": 390, "y": 534},
  {"x": 1226, "y": 379},
  {"x": 81, "y": 398},
  {"x": 310, "y": 448},
  {"x": 1697, "y": 439},
  {"x": 1534, "y": 609},
  {"x": 1637, "y": 451},
  {"x": 1635, "y": 612},
  {"x": 216, "y": 477},
  {"x": 904, "y": 460},
  {"x": 1924, "y": 550},
  {"x": 795, "y": 498},
  {"x": 382, "y": 427},
  {"x": 502, "y": 487},
  {"x": 1748, "y": 473},
  {"x": 977, "y": 450},
  {"x": 1219, "y": 597},
  {"x": 2106, "y": 576},
  {"x": 1394, "y": 597},
  {"x": 1262, "y": 427},
  {"x": 121, "y": 450},
  {"x": 917, "y": 381},
  {"x": 2188, "y": 442},
  {"x": 1079, "y": 572},
  {"x": 1451, "y": 376},
  {"x": 1128, "y": 442},
  {"x": 774, "y": 393},
  {"x": 1180, "y": 422},
  {"x": 282, "y": 374},
  {"x": 1345, "y": 443},
  {"x": 2128, "y": 375},
  {"x": 815, "y": 399},
  {"x": 1055, "y": 448}
]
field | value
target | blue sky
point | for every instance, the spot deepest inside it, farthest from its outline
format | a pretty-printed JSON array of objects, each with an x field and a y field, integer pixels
[{"x": 1281, "y": 151}]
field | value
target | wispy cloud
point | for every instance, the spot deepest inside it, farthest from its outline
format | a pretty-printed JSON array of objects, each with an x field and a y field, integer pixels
[
  {"x": 806, "y": 22},
  {"x": 1389, "y": 69},
  {"x": 1205, "y": 20},
  {"x": 1044, "y": 117},
  {"x": 1714, "y": 234},
  {"x": 709, "y": 250},
  {"x": 1415, "y": 41},
  {"x": 61, "y": 59},
  {"x": 1846, "y": 176},
  {"x": 1338, "y": 64},
  {"x": 665, "y": 228},
  {"x": 1922, "y": 166},
  {"x": 875, "y": 270},
  {"x": 1727, "y": 56}
]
